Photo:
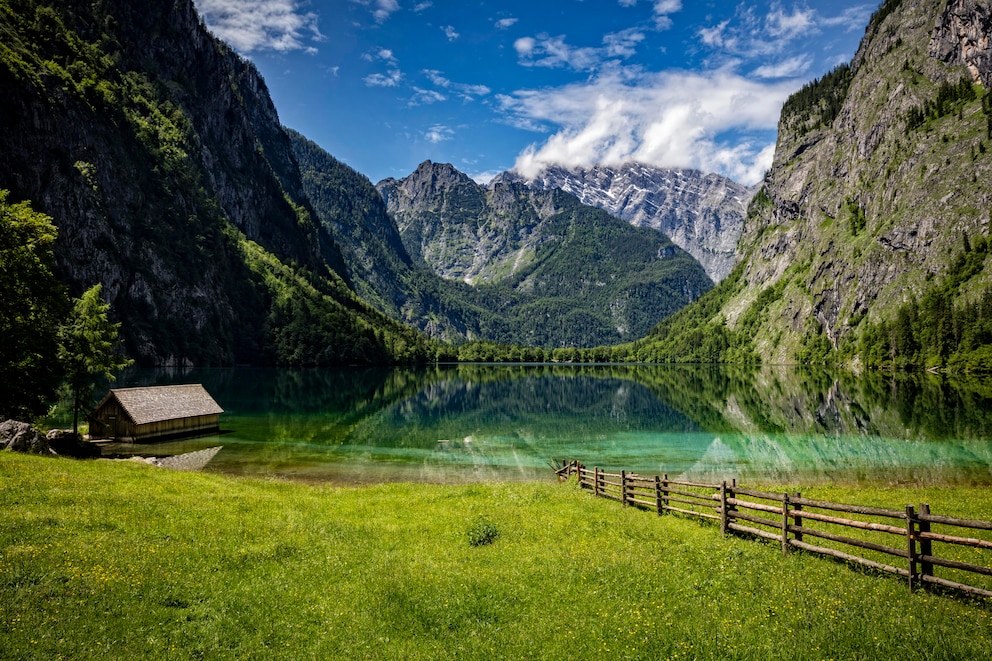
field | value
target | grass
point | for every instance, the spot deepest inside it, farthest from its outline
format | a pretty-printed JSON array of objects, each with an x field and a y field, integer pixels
[{"x": 119, "y": 560}]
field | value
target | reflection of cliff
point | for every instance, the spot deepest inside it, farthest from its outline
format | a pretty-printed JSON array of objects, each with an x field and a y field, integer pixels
[
  {"x": 782, "y": 459},
  {"x": 799, "y": 401},
  {"x": 522, "y": 405}
]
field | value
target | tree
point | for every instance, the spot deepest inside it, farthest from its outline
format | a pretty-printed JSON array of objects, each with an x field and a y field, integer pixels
[
  {"x": 89, "y": 348},
  {"x": 33, "y": 303}
]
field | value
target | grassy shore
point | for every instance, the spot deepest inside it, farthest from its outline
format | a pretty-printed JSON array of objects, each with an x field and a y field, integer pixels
[{"x": 120, "y": 560}]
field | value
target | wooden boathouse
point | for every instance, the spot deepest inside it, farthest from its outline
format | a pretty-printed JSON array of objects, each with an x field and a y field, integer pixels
[{"x": 155, "y": 413}]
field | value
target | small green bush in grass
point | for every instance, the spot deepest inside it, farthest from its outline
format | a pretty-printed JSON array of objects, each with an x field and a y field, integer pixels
[{"x": 482, "y": 532}]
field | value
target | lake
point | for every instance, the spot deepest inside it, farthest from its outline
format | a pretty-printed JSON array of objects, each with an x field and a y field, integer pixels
[{"x": 464, "y": 423}]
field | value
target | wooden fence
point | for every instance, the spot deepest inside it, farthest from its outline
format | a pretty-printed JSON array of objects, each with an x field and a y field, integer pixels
[{"x": 910, "y": 543}]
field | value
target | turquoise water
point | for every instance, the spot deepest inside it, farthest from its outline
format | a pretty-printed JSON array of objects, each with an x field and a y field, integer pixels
[{"x": 473, "y": 422}]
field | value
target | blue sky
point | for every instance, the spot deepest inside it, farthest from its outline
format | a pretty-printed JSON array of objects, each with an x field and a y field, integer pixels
[{"x": 488, "y": 86}]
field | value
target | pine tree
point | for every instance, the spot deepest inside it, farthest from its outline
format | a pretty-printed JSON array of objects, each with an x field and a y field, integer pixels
[{"x": 89, "y": 348}]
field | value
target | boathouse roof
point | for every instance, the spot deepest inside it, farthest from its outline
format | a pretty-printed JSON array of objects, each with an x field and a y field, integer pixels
[{"x": 160, "y": 403}]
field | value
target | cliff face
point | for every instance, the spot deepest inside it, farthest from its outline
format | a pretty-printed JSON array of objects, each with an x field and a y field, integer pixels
[
  {"x": 701, "y": 213},
  {"x": 462, "y": 230},
  {"x": 547, "y": 270},
  {"x": 148, "y": 142},
  {"x": 159, "y": 155},
  {"x": 880, "y": 177}
]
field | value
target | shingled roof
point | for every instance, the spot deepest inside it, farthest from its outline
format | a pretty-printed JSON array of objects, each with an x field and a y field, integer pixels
[{"x": 160, "y": 403}]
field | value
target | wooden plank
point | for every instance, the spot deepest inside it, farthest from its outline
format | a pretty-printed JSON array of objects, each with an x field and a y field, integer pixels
[
  {"x": 714, "y": 487},
  {"x": 848, "y": 557},
  {"x": 961, "y": 523},
  {"x": 767, "y": 495},
  {"x": 757, "y": 519},
  {"x": 852, "y": 523},
  {"x": 954, "y": 564},
  {"x": 692, "y": 513},
  {"x": 850, "y": 541},
  {"x": 645, "y": 503},
  {"x": 754, "y": 506},
  {"x": 853, "y": 509},
  {"x": 693, "y": 494},
  {"x": 957, "y": 586},
  {"x": 691, "y": 502},
  {"x": 753, "y": 531},
  {"x": 961, "y": 541}
]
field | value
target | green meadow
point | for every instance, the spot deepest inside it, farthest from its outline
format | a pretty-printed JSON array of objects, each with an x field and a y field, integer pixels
[{"x": 108, "y": 560}]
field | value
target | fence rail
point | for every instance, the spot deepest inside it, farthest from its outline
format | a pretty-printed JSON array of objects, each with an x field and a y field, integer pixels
[{"x": 900, "y": 542}]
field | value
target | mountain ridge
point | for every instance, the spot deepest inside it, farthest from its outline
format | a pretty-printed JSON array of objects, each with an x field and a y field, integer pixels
[{"x": 701, "y": 213}]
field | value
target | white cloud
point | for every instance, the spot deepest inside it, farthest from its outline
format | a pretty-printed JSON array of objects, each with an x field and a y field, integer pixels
[
  {"x": 623, "y": 43},
  {"x": 422, "y": 6},
  {"x": 381, "y": 9},
  {"x": 467, "y": 92},
  {"x": 259, "y": 25},
  {"x": 483, "y": 178},
  {"x": 554, "y": 52},
  {"x": 662, "y": 9},
  {"x": 525, "y": 46},
  {"x": 449, "y": 31},
  {"x": 389, "y": 79},
  {"x": 788, "y": 68},
  {"x": 627, "y": 3},
  {"x": 423, "y": 97},
  {"x": 715, "y": 121},
  {"x": 504, "y": 23},
  {"x": 789, "y": 26},
  {"x": 438, "y": 133}
]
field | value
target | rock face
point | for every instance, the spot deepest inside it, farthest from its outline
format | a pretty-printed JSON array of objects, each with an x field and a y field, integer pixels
[
  {"x": 863, "y": 207},
  {"x": 462, "y": 230},
  {"x": 963, "y": 35},
  {"x": 148, "y": 144},
  {"x": 701, "y": 213},
  {"x": 547, "y": 270}
]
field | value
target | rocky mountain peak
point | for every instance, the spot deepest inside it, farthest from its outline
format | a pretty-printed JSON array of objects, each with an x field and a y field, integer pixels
[{"x": 701, "y": 213}]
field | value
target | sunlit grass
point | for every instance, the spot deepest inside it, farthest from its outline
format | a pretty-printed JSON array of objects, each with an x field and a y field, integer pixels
[{"x": 119, "y": 560}]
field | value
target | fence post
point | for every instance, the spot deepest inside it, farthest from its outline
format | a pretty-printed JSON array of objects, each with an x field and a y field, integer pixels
[
  {"x": 911, "y": 545},
  {"x": 664, "y": 492},
  {"x": 723, "y": 507},
  {"x": 926, "y": 546},
  {"x": 657, "y": 494},
  {"x": 785, "y": 523},
  {"x": 623, "y": 488},
  {"x": 595, "y": 480},
  {"x": 797, "y": 520}
]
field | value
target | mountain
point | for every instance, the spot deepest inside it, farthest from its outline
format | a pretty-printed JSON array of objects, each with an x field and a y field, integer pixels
[
  {"x": 159, "y": 155},
  {"x": 555, "y": 272},
  {"x": 701, "y": 213},
  {"x": 867, "y": 243}
]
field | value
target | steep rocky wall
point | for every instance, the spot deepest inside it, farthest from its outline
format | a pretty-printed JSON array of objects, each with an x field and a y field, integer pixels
[
  {"x": 145, "y": 139},
  {"x": 859, "y": 213}
]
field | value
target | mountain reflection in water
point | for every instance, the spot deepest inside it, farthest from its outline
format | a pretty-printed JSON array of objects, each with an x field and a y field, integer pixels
[{"x": 464, "y": 423}]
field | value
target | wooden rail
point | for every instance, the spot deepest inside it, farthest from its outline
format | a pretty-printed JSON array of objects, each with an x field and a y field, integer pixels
[{"x": 900, "y": 542}]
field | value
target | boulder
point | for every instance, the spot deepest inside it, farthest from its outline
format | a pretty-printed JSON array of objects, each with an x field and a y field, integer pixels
[{"x": 21, "y": 437}]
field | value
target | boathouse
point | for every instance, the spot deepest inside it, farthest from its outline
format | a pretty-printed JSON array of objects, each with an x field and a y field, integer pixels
[{"x": 155, "y": 413}]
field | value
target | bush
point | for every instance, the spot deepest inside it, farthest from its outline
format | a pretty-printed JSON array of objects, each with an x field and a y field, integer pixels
[{"x": 482, "y": 532}]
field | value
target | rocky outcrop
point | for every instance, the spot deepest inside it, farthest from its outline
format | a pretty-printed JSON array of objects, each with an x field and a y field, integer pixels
[
  {"x": 701, "y": 213},
  {"x": 150, "y": 145},
  {"x": 862, "y": 211},
  {"x": 21, "y": 437},
  {"x": 465, "y": 231},
  {"x": 963, "y": 35}
]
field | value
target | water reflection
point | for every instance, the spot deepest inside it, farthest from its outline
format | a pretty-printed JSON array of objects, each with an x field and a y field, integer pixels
[{"x": 474, "y": 422}]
